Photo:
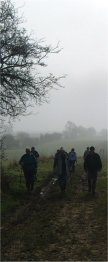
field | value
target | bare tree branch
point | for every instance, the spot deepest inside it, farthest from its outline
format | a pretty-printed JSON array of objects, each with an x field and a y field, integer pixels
[{"x": 21, "y": 57}]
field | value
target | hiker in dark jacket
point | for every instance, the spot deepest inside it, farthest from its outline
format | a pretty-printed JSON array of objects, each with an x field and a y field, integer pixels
[
  {"x": 92, "y": 165},
  {"x": 34, "y": 152},
  {"x": 36, "y": 155},
  {"x": 28, "y": 164},
  {"x": 86, "y": 152},
  {"x": 61, "y": 166}
]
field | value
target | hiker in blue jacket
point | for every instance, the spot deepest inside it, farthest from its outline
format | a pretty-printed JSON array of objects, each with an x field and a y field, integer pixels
[{"x": 72, "y": 159}]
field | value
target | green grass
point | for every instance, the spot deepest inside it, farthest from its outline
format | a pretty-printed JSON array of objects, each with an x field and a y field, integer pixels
[
  {"x": 59, "y": 228},
  {"x": 16, "y": 194}
]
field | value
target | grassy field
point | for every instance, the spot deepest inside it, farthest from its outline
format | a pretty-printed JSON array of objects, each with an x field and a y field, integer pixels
[
  {"x": 15, "y": 193},
  {"x": 47, "y": 149},
  {"x": 72, "y": 227}
]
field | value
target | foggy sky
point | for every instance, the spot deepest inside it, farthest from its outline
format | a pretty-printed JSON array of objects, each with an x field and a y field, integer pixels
[{"x": 81, "y": 28}]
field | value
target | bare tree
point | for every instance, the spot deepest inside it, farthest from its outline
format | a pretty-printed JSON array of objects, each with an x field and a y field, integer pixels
[
  {"x": 3, "y": 156},
  {"x": 21, "y": 56}
]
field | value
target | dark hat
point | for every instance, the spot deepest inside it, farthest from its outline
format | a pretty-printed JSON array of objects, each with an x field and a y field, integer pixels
[
  {"x": 92, "y": 148},
  {"x": 27, "y": 150},
  {"x": 32, "y": 148}
]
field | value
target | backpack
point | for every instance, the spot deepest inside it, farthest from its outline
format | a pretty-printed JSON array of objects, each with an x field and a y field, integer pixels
[{"x": 72, "y": 156}]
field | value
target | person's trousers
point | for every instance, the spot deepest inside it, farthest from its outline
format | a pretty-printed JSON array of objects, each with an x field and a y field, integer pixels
[
  {"x": 92, "y": 179},
  {"x": 72, "y": 165},
  {"x": 62, "y": 182},
  {"x": 29, "y": 179}
]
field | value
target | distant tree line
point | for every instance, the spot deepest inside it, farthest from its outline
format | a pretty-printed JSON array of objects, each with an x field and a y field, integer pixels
[
  {"x": 23, "y": 139},
  {"x": 71, "y": 132}
]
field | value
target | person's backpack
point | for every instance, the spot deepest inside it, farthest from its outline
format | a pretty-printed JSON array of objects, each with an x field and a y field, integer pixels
[{"x": 72, "y": 156}]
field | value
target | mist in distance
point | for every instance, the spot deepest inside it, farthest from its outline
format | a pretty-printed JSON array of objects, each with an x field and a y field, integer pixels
[
  {"x": 72, "y": 136},
  {"x": 81, "y": 28}
]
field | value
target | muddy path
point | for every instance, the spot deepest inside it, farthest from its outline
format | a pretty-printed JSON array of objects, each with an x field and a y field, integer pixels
[{"x": 55, "y": 227}]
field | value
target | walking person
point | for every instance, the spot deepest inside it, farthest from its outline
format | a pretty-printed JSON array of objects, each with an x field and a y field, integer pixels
[
  {"x": 72, "y": 159},
  {"x": 36, "y": 155},
  {"x": 92, "y": 165},
  {"x": 28, "y": 164},
  {"x": 61, "y": 166},
  {"x": 86, "y": 152}
]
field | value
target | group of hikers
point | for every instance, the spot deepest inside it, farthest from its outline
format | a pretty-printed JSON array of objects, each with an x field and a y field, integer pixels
[{"x": 63, "y": 167}]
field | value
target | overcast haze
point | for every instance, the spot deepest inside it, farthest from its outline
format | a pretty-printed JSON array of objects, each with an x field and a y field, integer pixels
[{"x": 81, "y": 27}]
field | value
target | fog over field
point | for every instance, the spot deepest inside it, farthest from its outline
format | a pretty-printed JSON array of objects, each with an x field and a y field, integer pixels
[{"x": 80, "y": 27}]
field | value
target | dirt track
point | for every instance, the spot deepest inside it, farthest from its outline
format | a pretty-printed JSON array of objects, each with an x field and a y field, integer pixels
[{"x": 56, "y": 227}]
